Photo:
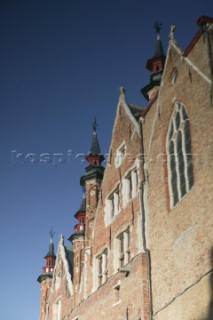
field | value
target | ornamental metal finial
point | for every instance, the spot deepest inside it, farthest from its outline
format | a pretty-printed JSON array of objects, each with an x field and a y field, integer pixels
[
  {"x": 94, "y": 125},
  {"x": 51, "y": 235},
  {"x": 157, "y": 26}
]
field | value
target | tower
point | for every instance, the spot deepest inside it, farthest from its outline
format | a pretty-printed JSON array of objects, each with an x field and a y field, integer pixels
[
  {"x": 91, "y": 181},
  {"x": 156, "y": 66},
  {"x": 78, "y": 241},
  {"x": 45, "y": 279}
]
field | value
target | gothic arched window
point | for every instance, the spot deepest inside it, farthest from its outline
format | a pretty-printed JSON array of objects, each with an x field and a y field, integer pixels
[{"x": 179, "y": 155}]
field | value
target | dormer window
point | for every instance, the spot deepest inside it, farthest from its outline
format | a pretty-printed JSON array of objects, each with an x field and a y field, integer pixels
[{"x": 120, "y": 154}]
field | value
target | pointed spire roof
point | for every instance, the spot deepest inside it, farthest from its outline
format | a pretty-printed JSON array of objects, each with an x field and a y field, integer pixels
[
  {"x": 95, "y": 147},
  {"x": 82, "y": 206},
  {"x": 50, "y": 252},
  {"x": 155, "y": 65},
  {"x": 159, "y": 52},
  {"x": 158, "y": 48},
  {"x": 95, "y": 158}
]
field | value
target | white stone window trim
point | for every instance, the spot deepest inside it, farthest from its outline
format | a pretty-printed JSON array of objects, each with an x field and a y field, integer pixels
[
  {"x": 112, "y": 204},
  {"x": 178, "y": 107},
  {"x": 103, "y": 256},
  {"x": 130, "y": 184},
  {"x": 125, "y": 256},
  {"x": 120, "y": 154}
]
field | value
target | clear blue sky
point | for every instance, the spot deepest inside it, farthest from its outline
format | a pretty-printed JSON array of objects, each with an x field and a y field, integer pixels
[{"x": 61, "y": 64}]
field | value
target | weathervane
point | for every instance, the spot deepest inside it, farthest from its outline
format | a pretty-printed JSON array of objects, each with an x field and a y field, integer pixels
[
  {"x": 157, "y": 26},
  {"x": 51, "y": 234},
  {"x": 94, "y": 125}
]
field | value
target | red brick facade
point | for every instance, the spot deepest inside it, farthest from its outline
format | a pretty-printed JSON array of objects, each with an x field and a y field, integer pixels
[{"x": 141, "y": 256}]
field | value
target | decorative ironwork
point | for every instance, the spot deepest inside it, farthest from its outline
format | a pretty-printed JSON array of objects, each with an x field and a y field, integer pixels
[
  {"x": 94, "y": 125},
  {"x": 51, "y": 234},
  {"x": 157, "y": 26}
]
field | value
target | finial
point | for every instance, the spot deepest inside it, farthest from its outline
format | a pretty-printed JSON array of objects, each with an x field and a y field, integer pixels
[
  {"x": 94, "y": 125},
  {"x": 122, "y": 90},
  {"x": 122, "y": 93},
  {"x": 157, "y": 27},
  {"x": 172, "y": 31},
  {"x": 51, "y": 235}
]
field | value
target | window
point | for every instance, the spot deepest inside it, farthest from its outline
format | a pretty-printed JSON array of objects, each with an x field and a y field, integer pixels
[
  {"x": 124, "y": 247},
  {"x": 130, "y": 185},
  {"x": 180, "y": 170},
  {"x": 120, "y": 154},
  {"x": 113, "y": 204},
  {"x": 102, "y": 267}
]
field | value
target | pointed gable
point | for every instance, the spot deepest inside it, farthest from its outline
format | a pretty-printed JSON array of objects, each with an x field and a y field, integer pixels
[
  {"x": 123, "y": 156},
  {"x": 64, "y": 267}
]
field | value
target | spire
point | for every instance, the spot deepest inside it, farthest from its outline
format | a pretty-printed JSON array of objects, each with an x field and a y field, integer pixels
[
  {"x": 94, "y": 156},
  {"x": 50, "y": 260},
  {"x": 158, "y": 47},
  {"x": 159, "y": 57},
  {"x": 95, "y": 148},
  {"x": 82, "y": 206},
  {"x": 155, "y": 65},
  {"x": 50, "y": 252}
]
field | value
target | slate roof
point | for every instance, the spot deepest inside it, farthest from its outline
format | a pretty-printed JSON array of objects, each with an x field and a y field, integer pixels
[
  {"x": 95, "y": 148},
  {"x": 82, "y": 207},
  {"x": 70, "y": 259},
  {"x": 158, "y": 49},
  {"x": 50, "y": 252},
  {"x": 135, "y": 110}
]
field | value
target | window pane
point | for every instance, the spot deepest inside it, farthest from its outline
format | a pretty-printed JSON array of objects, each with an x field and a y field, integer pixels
[
  {"x": 100, "y": 265},
  {"x": 173, "y": 173},
  {"x": 171, "y": 131},
  {"x": 181, "y": 165},
  {"x": 184, "y": 114},
  {"x": 177, "y": 120},
  {"x": 188, "y": 155}
]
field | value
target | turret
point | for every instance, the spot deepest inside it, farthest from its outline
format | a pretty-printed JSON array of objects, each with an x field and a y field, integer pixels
[
  {"x": 45, "y": 279},
  {"x": 78, "y": 241},
  {"x": 156, "y": 66},
  {"x": 94, "y": 158},
  {"x": 91, "y": 180},
  {"x": 79, "y": 228}
]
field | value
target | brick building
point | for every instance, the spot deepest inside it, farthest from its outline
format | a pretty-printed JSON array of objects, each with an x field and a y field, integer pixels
[{"x": 142, "y": 245}]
